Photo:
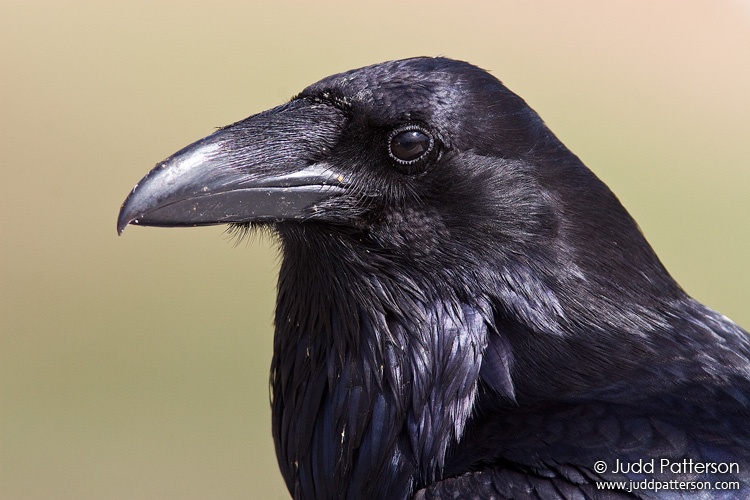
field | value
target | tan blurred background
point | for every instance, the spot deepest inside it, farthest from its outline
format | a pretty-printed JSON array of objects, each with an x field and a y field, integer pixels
[{"x": 137, "y": 367}]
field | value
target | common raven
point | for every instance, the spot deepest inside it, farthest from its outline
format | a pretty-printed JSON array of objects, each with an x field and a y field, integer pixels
[{"x": 464, "y": 309}]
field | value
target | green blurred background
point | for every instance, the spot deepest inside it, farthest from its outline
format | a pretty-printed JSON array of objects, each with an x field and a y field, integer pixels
[{"x": 137, "y": 367}]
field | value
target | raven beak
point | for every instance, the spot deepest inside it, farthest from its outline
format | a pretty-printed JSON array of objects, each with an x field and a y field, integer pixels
[{"x": 269, "y": 167}]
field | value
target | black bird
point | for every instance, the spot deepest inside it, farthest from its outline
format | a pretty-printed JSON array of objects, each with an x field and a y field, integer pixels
[{"x": 464, "y": 309}]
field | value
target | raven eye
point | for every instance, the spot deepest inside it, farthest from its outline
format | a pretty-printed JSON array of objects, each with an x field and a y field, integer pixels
[{"x": 409, "y": 144}]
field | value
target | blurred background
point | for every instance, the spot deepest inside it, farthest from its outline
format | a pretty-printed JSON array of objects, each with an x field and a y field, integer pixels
[{"x": 137, "y": 367}]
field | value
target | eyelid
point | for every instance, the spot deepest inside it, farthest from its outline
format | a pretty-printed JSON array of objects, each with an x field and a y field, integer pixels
[{"x": 408, "y": 128}]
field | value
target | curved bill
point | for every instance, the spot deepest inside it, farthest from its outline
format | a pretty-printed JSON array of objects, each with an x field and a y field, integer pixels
[{"x": 269, "y": 167}]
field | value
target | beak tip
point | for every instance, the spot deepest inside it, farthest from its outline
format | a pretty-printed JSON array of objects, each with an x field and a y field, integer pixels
[
  {"x": 121, "y": 225},
  {"x": 124, "y": 218}
]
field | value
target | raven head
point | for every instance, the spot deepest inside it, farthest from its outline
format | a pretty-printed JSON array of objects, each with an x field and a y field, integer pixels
[
  {"x": 363, "y": 150},
  {"x": 429, "y": 162}
]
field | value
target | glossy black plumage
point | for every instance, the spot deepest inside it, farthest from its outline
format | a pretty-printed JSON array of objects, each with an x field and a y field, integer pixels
[{"x": 483, "y": 321}]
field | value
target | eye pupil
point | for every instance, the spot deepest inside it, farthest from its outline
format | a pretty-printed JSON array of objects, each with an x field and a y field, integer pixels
[{"x": 410, "y": 145}]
